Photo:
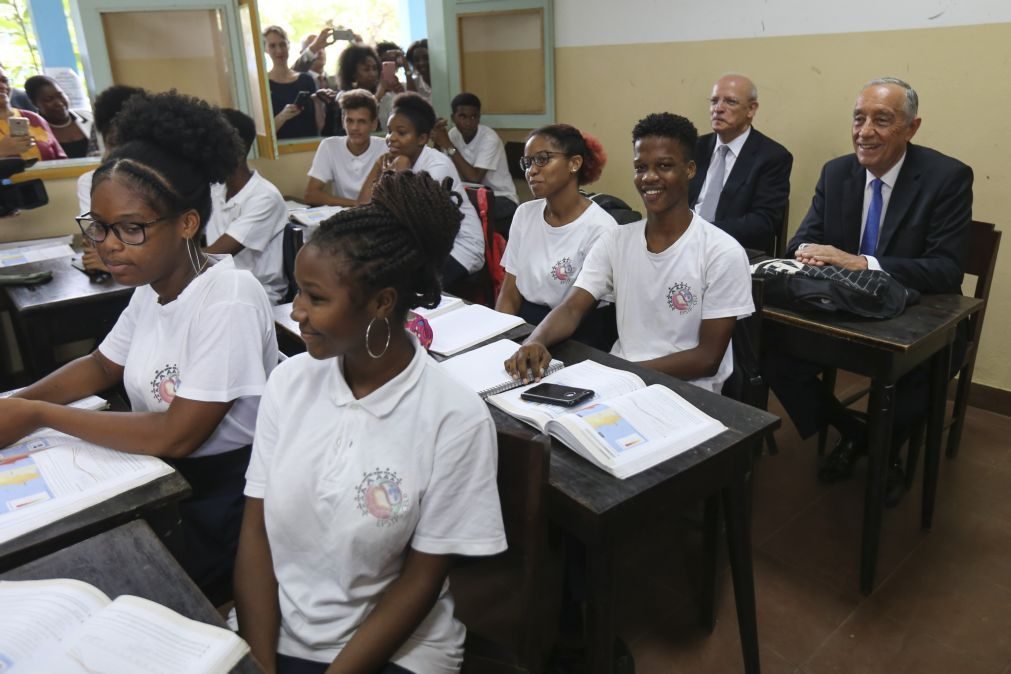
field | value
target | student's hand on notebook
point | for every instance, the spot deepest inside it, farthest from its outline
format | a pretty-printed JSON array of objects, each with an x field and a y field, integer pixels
[{"x": 528, "y": 364}]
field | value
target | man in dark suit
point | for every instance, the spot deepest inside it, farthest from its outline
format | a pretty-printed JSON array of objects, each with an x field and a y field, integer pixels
[
  {"x": 893, "y": 206},
  {"x": 742, "y": 181}
]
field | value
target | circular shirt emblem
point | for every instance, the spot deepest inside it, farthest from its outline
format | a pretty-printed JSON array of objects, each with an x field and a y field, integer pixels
[
  {"x": 380, "y": 495},
  {"x": 681, "y": 298},
  {"x": 165, "y": 383},
  {"x": 563, "y": 270}
]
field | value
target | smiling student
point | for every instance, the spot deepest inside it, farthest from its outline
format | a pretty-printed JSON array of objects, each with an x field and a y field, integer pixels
[
  {"x": 408, "y": 132},
  {"x": 371, "y": 466},
  {"x": 195, "y": 344},
  {"x": 552, "y": 235},
  {"x": 679, "y": 283},
  {"x": 344, "y": 162}
]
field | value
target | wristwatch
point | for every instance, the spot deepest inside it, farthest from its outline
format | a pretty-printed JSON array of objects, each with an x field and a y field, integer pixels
[{"x": 450, "y": 150}]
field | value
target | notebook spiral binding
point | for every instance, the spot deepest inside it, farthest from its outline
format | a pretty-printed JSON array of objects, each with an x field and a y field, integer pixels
[{"x": 511, "y": 384}]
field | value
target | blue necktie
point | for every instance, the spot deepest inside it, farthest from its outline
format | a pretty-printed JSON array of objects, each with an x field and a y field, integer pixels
[{"x": 869, "y": 242}]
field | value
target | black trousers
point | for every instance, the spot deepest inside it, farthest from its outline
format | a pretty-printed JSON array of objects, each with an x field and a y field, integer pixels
[
  {"x": 599, "y": 328},
  {"x": 211, "y": 518}
]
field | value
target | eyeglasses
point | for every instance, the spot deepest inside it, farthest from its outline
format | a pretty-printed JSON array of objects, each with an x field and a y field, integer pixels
[
  {"x": 729, "y": 102},
  {"x": 130, "y": 233},
  {"x": 541, "y": 159}
]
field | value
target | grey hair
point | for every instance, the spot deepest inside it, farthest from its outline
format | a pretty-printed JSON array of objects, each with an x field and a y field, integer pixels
[
  {"x": 912, "y": 100},
  {"x": 753, "y": 94}
]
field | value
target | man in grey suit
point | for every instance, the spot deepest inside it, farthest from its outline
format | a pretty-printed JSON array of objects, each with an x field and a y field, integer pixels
[{"x": 742, "y": 181}]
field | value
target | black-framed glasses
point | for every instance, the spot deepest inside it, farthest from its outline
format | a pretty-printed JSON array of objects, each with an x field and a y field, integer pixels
[
  {"x": 541, "y": 159},
  {"x": 130, "y": 233}
]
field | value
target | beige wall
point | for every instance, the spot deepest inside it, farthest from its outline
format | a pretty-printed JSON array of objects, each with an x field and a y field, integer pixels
[{"x": 807, "y": 85}]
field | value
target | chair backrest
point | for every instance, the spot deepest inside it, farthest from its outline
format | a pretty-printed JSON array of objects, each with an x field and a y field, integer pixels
[
  {"x": 482, "y": 287},
  {"x": 981, "y": 260},
  {"x": 745, "y": 383},
  {"x": 291, "y": 243},
  {"x": 779, "y": 245},
  {"x": 513, "y": 151}
]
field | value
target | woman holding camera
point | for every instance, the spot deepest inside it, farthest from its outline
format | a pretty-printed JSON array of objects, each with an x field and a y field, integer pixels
[{"x": 290, "y": 92}]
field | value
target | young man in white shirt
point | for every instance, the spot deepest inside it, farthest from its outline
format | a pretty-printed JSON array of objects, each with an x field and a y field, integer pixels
[
  {"x": 344, "y": 162},
  {"x": 478, "y": 155},
  {"x": 248, "y": 216},
  {"x": 679, "y": 282}
]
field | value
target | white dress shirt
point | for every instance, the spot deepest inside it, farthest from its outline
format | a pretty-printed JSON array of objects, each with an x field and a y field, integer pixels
[
  {"x": 887, "y": 185},
  {"x": 734, "y": 149}
]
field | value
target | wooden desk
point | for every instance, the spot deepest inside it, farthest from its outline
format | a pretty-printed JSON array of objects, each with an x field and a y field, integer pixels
[
  {"x": 68, "y": 308},
  {"x": 883, "y": 350},
  {"x": 157, "y": 502},
  {"x": 600, "y": 509},
  {"x": 130, "y": 560}
]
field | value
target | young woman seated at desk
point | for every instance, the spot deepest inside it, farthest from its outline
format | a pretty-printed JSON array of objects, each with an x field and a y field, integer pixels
[
  {"x": 551, "y": 236},
  {"x": 196, "y": 343},
  {"x": 679, "y": 282},
  {"x": 409, "y": 129},
  {"x": 371, "y": 467}
]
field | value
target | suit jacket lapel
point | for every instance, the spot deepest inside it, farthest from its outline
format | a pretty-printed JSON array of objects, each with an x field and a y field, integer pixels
[
  {"x": 852, "y": 207},
  {"x": 907, "y": 186}
]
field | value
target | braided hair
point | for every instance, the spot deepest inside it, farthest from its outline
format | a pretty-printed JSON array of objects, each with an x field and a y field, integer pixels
[
  {"x": 170, "y": 148},
  {"x": 400, "y": 239}
]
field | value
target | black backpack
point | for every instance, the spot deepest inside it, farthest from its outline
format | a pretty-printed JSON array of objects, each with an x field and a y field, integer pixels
[{"x": 867, "y": 293}]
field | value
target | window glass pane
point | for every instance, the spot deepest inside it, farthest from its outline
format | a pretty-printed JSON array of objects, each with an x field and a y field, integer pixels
[{"x": 502, "y": 60}]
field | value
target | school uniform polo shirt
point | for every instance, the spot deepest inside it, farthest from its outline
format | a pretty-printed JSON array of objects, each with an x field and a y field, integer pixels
[
  {"x": 486, "y": 151},
  {"x": 348, "y": 485},
  {"x": 335, "y": 164},
  {"x": 213, "y": 343},
  {"x": 255, "y": 217}
]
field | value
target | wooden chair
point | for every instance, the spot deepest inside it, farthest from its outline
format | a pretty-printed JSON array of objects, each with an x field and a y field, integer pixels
[{"x": 502, "y": 599}]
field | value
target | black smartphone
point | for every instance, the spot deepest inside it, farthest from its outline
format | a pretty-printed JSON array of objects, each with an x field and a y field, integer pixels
[
  {"x": 556, "y": 394},
  {"x": 302, "y": 99}
]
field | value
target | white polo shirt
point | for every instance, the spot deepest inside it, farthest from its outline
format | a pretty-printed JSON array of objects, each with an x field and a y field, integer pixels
[
  {"x": 213, "y": 343},
  {"x": 346, "y": 172},
  {"x": 468, "y": 249},
  {"x": 348, "y": 485},
  {"x": 662, "y": 298},
  {"x": 486, "y": 151},
  {"x": 546, "y": 260},
  {"x": 255, "y": 217}
]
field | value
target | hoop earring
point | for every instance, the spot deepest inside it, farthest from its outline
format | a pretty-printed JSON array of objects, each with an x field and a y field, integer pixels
[
  {"x": 389, "y": 333},
  {"x": 194, "y": 254}
]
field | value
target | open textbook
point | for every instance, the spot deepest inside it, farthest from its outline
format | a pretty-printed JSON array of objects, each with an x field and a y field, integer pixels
[
  {"x": 49, "y": 475},
  {"x": 483, "y": 369},
  {"x": 71, "y": 627},
  {"x": 626, "y": 427}
]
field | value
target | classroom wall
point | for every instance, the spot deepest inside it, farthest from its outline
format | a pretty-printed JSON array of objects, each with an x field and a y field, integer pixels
[{"x": 616, "y": 62}]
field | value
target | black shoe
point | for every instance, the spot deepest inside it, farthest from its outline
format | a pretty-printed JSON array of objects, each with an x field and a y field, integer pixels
[
  {"x": 838, "y": 465},
  {"x": 895, "y": 485}
]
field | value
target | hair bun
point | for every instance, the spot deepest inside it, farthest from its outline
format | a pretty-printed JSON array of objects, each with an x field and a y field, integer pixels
[
  {"x": 415, "y": 200},
  {"x": 594, "y": 161},
  {"x": 185, "y": 127}
]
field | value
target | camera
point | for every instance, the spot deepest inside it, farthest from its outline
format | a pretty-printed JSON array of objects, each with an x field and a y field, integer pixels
[{"x": 19, "y": 196}]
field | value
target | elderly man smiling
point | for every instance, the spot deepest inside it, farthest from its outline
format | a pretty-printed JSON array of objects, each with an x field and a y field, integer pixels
[{"x": 890, "y": 205}]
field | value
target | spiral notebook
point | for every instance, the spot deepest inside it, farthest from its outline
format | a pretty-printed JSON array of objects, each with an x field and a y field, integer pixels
[{"x": 483, "y": 369}]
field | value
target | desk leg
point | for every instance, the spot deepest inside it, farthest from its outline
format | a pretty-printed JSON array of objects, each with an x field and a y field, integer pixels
[
  {"x": 935, "y": 429},
  {"x": 881, "y": 410},
  {"x": 600, "y": 607},
  {"x": 710, "y": 561},
  {"x": 735, "y": 504}
]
